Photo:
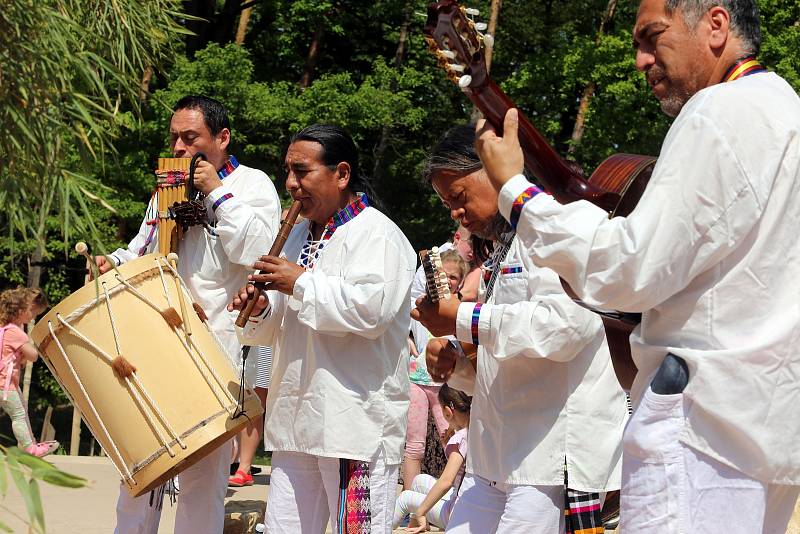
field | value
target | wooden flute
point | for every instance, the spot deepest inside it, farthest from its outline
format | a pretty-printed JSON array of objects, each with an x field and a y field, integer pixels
[{"x": 277, "y": 246}]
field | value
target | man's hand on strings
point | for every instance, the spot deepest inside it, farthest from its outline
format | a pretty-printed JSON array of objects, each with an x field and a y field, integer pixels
[
  {"x": 279, "y": 273},
  {"x": 440, "y": 357},
  {"x": 440, "y": 317},
  {"x": 501, "y": 156},
  {"x": 206, "y": 178}
]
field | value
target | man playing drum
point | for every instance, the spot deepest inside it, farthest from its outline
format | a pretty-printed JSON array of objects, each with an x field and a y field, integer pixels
[
  {"x": 243, "y": 209},
  {"x": 709, "y": 256},
  {"x": 338, "y": 318},
  {"x": 547, "y": 412}
]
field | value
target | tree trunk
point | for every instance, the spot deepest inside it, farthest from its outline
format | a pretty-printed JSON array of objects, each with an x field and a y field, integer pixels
[
  {"x": 202, "y": 29},
  {"x": 399, "y": 55},
  {"x": 591, "y": 87},
  {"x": 241, "y": 31},
  {"x": 313, "y": 56},
  {"x": 33, "y": 281},
  {"x": 35, "y": 266},
  {"x": 144, "y": 85}
]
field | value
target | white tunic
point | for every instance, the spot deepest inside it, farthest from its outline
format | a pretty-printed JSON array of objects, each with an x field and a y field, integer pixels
[
  {"x": 340, "y": 373},
  {"x": 711, "y": 257},
  {"x": 545, "y": 390},
  {"x": 215, "y": 263}
]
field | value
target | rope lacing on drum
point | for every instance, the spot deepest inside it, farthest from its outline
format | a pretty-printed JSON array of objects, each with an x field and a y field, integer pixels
[{"x": 127, "y": 476}]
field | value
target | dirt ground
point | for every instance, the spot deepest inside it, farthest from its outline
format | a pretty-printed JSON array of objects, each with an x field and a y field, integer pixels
[{"x": 90, "y": 510}]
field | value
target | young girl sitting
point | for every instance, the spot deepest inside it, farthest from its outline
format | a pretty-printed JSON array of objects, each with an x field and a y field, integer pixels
[
  {"x": 429, "y": 501},
  {"x": 18, "y": 307}
]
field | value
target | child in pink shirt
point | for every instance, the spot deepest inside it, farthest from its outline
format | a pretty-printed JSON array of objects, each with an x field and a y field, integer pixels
[
  {"x": 429, "y": 501},
  {"x": 18, "y": 307}
]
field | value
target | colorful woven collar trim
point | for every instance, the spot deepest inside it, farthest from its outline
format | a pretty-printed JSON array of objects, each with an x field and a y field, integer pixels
[
  {"x": 743, "y": 67},
  {"x": 348, "y": 213},
  {"x": 228, "y": 168}
]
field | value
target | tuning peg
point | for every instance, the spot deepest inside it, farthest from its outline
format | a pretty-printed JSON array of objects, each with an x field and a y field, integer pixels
[
  {"x": 472, "y": 11},
  {"x": 457, "y": 67},
  {"x": 481, "y": 26},
  {"x": 447, "y": 53},
  {"x": 464, "y": 81},
  {"x": 488, "y": 40}
]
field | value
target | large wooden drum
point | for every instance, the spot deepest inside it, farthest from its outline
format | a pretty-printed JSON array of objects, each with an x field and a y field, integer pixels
[{"x": 181, "y": 402}]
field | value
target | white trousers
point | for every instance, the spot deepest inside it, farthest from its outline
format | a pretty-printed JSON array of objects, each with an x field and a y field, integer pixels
[
  {"x": 484, "y": 507},
  {"x": 201, "y": 500},
  {"x": 669, "y": 488},
  {"x": 304, "y": 494},
  {"x": 410, "y": 499}
]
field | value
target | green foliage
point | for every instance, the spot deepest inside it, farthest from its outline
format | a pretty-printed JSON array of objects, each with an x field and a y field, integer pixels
[
  {"x": 67, "y": 67},
  {"x": 781, "y": 38},
  {"x": 26, "y": 471}
]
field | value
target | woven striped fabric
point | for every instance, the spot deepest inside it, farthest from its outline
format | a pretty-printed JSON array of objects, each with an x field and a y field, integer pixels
[
  {"x": 582, "y": 511},
  {"x": 355, "y": 510},
  {"x": 743, "y": 67}
]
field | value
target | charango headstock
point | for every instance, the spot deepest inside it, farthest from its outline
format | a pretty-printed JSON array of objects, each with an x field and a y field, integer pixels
[{"x": 436, "y": 285}]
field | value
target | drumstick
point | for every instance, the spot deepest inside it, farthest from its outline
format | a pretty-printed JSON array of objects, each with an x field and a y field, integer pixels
[{"x": 83, "y": 250}]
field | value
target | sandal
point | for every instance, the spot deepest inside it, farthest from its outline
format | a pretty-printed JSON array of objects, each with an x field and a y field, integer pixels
[
  {"x": 43, "y": 448},
  {"x": 240, "y": 479}
]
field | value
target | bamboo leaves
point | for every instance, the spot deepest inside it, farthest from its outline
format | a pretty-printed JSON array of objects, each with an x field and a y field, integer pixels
[
  {"x": 26, "y": 471},
  {"x": 67, "y": 67}
]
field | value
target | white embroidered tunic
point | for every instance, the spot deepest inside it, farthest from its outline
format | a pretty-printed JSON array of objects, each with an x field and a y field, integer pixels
[
  {"x": 545, "y": 391},
  {"x": 340, "y": 373},
  {"x": 711, "y": 257}
]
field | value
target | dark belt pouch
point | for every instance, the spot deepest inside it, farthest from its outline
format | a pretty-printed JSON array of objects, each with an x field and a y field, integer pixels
[{"x": 671, "y": 377}]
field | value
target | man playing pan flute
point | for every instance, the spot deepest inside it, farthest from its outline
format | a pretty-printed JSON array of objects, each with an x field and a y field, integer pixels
[
  {"x": 215, "y": 258},
  {"x": 338, "y": 319}
]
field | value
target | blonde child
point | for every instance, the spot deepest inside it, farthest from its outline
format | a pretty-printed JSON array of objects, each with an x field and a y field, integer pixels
[
  {"x": 429, "y": 501},
  {"x": 456, "y": 268},
  {"x": 18, "y": 307}
]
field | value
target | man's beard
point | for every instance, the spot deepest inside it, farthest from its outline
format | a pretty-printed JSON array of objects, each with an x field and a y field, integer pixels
[
  {"x": 673, "y": 103},
  {"x": 677, "y": 93}
]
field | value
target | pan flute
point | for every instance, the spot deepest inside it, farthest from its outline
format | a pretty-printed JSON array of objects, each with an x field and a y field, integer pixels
[{"x": 171, "y": 177}]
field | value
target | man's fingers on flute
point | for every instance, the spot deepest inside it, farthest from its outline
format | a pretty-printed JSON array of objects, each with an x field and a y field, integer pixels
[
  {"x": 274, "y": 260},
  {"x": 264, "y": 278}
]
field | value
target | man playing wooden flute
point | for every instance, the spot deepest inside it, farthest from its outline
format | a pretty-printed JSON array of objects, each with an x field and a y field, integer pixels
[
  {"x": 243, "y": 210},
  {"x": 338, "y": 318},
  {"x": 709, "y": 256}
]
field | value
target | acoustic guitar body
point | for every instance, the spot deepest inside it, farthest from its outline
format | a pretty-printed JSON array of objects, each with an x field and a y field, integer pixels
[{"x": 624, "y": 174}]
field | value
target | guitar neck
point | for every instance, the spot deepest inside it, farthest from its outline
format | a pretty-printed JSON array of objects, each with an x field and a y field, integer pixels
[{"x": 560, "y": 178}]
